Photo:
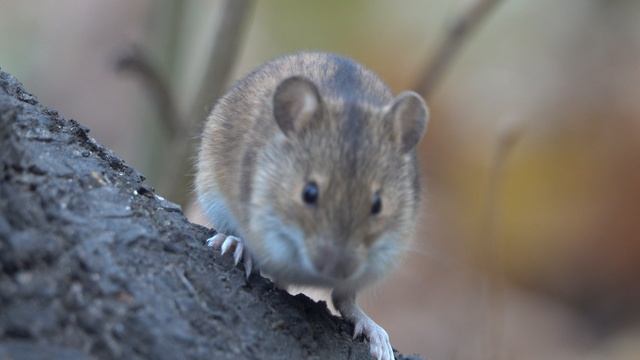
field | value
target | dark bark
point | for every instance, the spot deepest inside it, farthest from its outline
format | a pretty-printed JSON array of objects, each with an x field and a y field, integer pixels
[{"x": 94, "y": 265}]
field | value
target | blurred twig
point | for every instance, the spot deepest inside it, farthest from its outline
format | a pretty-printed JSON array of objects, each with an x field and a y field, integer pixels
[
  {"x": 222, "y": 56},
  {"x": 458, "y": 31},
  {"x": 136, "y": 62},
  {"x": 508, "y": 138},
  {"x": 177, "y": 169},
  {"x": 178, "y": 174}
]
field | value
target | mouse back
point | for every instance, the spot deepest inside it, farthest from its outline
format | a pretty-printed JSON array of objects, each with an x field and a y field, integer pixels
[{"x": 314, "y": 159}]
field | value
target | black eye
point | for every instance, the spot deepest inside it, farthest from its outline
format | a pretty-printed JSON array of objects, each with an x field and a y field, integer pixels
[
  {"x": 376, "y": 205},
  {"x": 310, "y": 193}
]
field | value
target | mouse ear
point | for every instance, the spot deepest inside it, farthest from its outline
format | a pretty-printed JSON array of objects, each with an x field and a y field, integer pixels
[
  {"x": 408, "y": 116},
  {"x": 296, "y": 103}
]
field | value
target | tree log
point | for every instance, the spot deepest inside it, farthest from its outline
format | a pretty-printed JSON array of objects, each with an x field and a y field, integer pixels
[{"x": 94, "y": 264}]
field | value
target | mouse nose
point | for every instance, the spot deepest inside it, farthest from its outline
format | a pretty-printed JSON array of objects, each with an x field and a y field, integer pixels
[{"x": 335, "y": 263}]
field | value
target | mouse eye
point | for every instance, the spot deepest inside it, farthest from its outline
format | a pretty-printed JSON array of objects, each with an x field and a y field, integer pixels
[
  {"x": 376, "y": 205},
  {"x": 310, "y": 193}
]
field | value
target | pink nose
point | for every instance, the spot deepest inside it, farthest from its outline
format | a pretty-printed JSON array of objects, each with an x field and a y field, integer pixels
[{"x": 334, "y": 263}]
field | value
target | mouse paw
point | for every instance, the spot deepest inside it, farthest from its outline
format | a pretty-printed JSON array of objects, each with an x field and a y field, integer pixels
[
  {"x": 379, "y": 344},
  {"x": 240, "y": 252}
]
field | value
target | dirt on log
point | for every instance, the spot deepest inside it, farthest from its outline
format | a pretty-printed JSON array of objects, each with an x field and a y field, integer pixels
[{"x": 93, "y": 264}]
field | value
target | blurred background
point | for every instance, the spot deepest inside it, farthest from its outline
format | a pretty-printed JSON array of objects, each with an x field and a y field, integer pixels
[{"x": 529, "y": 246}]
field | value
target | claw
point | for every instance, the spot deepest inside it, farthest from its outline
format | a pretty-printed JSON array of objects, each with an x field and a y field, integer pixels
[
  {"x": 248, "y": 265},
  {"x": 237, "y": 254},
  {"x": 379, "y": 344},
  {"x": 357, "y": 329},
  {"x": 240, "y": 253},
  {"x": 216, "y": 240},
  {"x": 228, "y": 243}
]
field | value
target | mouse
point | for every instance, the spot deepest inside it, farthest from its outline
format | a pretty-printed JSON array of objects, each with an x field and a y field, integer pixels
[{"x": 307, "y": 170}]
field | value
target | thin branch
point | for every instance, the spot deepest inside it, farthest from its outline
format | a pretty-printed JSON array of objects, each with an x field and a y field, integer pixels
[
  {"x": 459, "y": 30},
  {"x": 136, "y": 62},
  {"x": 508, "y": 137},
  {"x": 222, "y": 56},
  {"x": 226, "y": 42}
]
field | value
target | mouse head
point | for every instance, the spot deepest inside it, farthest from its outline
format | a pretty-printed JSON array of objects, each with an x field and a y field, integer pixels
[{"x": 336, "y": 193}]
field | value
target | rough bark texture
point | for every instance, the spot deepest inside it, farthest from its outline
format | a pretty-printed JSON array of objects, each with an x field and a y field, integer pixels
[{"x": 94, "y": 265}]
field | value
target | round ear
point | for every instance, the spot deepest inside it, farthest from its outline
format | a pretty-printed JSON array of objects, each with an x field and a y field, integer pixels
[
  {"x": 408, "y": 115},
  {"x": 296, "y": 103}
]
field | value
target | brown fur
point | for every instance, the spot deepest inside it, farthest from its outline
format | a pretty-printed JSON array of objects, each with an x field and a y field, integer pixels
[{"x": 351, "y": 152}]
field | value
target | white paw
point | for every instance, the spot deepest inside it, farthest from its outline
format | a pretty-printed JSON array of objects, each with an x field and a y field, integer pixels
[
  {"x": 225, "y": 243},
  {"x": 379, "y": 344}
]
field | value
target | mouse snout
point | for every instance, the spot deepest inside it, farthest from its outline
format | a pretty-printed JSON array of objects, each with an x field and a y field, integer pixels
[{"x": 333, "y": 262}]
